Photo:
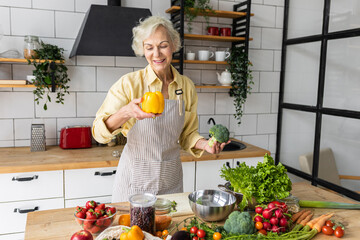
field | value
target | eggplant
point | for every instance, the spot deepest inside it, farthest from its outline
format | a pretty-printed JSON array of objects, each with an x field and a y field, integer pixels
[{"x": 181, "y": 235}]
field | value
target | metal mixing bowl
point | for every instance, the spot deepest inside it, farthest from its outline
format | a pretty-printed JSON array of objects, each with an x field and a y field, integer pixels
[{"x": 211, "y": 205}]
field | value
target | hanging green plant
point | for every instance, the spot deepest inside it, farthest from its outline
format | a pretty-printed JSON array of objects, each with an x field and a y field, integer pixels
[
  {"x": 193, "y": 8},
  {"x": 49, "y": 70},
  {"x": 239, "y": 67}
]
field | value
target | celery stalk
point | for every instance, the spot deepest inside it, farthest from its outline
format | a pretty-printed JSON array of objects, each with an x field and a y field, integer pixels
[{"x": 325, "y": 204}]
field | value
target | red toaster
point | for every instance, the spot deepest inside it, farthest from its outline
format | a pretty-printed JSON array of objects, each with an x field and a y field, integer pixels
[{"x": 75, "y": 137}]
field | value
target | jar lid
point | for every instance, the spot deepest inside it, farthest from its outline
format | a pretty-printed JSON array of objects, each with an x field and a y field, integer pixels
[
  {"x": 31, "y": 37},
  {"x": 142, "y": 200},
  {"x": 162, "y": 206}
]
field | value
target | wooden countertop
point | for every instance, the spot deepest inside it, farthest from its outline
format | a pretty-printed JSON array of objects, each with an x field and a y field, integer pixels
[
  {"x": 21, "y": 159},
  {"x": 60, "y": 223}
]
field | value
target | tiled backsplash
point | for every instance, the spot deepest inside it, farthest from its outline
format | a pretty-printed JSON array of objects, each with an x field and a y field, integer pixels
[{"x": 58, "y": 22}]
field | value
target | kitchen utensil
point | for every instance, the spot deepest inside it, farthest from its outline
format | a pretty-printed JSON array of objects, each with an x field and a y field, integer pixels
[
  {"x": 205, "y": 55},
  {"x": 224, "y": 78},
  {"x": 225, "y": 31},
  {"x": 190, "y": 56},
  {"x": 37, "y": 142},
  {"x": 221, "y": 55},
  {"x": 213, "y": 31},
  {"x": 89, "y": 224},
  {"x": 30, "y": 78},
  {"x": 212, "y": 205},
  {"x": 238, "y": 196},
  {"x": 75, "y": 137}
]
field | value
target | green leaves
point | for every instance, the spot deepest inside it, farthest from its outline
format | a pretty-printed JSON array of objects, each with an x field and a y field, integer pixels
[
  {"x": 242, "y": 79},
  {"x": 266, "y": 182},
  {"x": 46, "y": 71},
  {"x": 198, "y": 6}
]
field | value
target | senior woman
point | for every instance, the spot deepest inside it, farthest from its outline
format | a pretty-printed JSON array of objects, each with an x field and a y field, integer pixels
[{"x": 150, "y": 161}]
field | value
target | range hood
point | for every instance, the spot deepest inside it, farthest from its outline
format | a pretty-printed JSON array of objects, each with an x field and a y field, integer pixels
[{"x": 107, "y": 30}]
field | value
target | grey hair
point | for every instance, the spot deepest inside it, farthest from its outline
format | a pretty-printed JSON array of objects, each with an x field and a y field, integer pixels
[{"x": 148, "y": 27}]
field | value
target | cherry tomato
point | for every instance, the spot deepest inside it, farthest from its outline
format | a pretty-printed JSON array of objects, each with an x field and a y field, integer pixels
[
  {"x": 195, "y": 238},
  {"x": 200, "y": 233},
  {"x": 165, "y": 232},
  {"x": 263, "y": 232},
  {"x": 329, "y": 223},
  {"x": 193, "y": 230},
  {"x": 339, "y": 232},
  {"x": 183, "y": 229},
  {"x": 327, "y": 230},
  {"x": 158, "y": 234},
  {"x": 217, "y": 236},
  {"x": 258, "y": 225}
]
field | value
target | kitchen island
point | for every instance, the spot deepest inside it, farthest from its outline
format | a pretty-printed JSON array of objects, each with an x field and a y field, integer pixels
[{"x": 60, "y": 223}]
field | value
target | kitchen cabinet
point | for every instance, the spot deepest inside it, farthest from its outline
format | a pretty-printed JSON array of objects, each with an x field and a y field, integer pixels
[
  {"x": 188, "y": 176},
  {"x": 240, "y": 29},
  {"x": 15, "y": 236},
  {"x": 208, "y": 173}
]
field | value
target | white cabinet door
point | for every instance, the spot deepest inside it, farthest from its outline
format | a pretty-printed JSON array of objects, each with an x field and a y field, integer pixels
[
  {"x": 82, "y": 201},
  {"x": 249, "y": 161},
  {"x": 208, "y": 173},
  {"x": 188, "y": 176},
  {"x": 13, "y": 214},
  {"x": 90, "y": 182},
  {"x": 31, "y": 185},
  {"x": 15, "y": 236}
]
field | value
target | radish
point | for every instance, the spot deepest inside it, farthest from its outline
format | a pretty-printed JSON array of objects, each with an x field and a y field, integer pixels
[
  {"x": 278, "y": 213},
  {"x": 267, "y": 213},
  {"x": 274, "y": 221},
  {"x": 259, "y": 210},
  {"x": 283, "y": 222},
  {"x": 267, "y": 226},
  {"x": 271, "y": 206},
  {"x": 258, "y": 219},
  {"x": 275, "y": 229}
]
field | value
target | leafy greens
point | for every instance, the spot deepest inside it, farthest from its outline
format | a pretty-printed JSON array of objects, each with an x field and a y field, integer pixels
[{"x": 266, "y": 182}]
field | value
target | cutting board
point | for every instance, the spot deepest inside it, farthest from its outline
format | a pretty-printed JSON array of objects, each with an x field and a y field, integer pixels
[{"x": 182, "y": 208}]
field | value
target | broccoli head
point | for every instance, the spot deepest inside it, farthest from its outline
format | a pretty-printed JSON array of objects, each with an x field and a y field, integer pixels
[
  {"x": 239, "y": 223},
  {"x": 218, "y": 133}
]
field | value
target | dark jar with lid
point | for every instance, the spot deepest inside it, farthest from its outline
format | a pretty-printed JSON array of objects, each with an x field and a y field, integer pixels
[
  {"x": 31, "y": 43},
  {"x": 142, "y": 211}
]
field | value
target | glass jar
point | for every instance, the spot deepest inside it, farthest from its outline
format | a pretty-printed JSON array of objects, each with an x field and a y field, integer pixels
[
  {"x": 30, "y": 44},
  {"x": 142, "y": 211},
  {"x": 163, "y": 214},
  {"x": 292, "y": 203}
]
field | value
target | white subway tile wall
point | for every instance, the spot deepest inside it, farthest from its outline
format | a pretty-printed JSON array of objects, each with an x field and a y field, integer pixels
[{"x": 58, "y": 22}]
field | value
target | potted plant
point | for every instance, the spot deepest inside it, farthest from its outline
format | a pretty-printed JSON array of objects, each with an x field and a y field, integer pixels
[
  {"x": 193, "y": 8},
  {"x": 50, "y": 73},
  {"x": 241, "y": 78}
]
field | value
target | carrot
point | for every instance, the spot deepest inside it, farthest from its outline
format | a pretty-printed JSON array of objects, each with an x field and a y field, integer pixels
[
  {"x": 303, "y": 216},
  {"x": 319, "y": 224},
  {"x": 306, "y": 219},
  {"x": 312, "y": 222},
  {"x": 295, "y": 216}
]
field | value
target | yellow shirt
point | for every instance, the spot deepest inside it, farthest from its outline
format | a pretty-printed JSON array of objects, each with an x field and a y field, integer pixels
[{"x": 133, "y": 85}]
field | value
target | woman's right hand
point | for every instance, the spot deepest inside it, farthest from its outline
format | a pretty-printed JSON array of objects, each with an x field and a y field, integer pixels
[{"x": 136, "y": 112}]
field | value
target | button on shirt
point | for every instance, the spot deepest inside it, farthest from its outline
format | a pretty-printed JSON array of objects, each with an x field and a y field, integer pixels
[{"x": 131, "y": 86}]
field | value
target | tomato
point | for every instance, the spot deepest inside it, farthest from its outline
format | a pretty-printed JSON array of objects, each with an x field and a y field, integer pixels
[
  {"x": 327, "y": 230},
  {"x": 339, "y": 232},
  {"x": 329, "y": 223},
  {"x": 158, "y": 234},
  {"x": 258, "y": 225},
  {"x": 216, "y": 236},
  {"x": 165, "y": 232},
  {"x": 90, "y": 204},
  {"x": 200, "y": 233},
  {"x": 263, "y": 232},
  {"x": 193, "y": 230},
  {"x": 195, "y": 238}
]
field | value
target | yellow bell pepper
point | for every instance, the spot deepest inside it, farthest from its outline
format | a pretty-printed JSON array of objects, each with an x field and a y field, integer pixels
[
  {"x": 135, "y": 233},
  {"x": 153, "y": 102}
]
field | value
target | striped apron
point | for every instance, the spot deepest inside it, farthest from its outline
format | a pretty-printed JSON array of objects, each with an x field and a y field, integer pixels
[{"x": 150, "y": 161}]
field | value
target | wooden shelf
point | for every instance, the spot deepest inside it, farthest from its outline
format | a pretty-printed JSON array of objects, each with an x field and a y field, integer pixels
[
  {"x": 214, "y": 38},
  {"x": 17, "y": 85},
  {"x": 214, "y": 13},
  {"x": 23, "y": 60},
  {"x": 210, "y": 86},
  {"x": 200, "y": 62}
]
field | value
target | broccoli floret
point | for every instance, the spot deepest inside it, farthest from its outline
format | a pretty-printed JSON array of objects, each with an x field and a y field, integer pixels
[
  {"x": 239, "y": 223},
  {"x": 218, "y": 133}
]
